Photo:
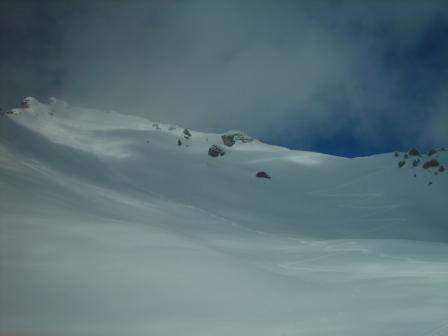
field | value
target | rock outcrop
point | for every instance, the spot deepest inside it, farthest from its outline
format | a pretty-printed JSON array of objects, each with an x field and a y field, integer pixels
[
  {"x": 430, "y": 164},
  {"x": 215, "y": 151},
  {"x": 230, "y": 138},
  {"x": 187, "y": 133},
  {"x": 262, "y": 174},
  {"x": 434, "y": 162}
]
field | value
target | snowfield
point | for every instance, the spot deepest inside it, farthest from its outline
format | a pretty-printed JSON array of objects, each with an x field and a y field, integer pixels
[{"x": 109, "y": 227}]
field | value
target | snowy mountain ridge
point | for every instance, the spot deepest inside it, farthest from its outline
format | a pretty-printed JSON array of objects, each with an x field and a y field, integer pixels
[{"x": 115, "y": 224}]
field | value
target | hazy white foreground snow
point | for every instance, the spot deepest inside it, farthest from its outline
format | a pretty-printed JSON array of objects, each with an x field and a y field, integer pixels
[{"x": 109, "y": 227}]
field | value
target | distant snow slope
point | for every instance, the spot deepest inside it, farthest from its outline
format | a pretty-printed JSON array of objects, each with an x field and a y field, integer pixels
[{"x": 110, "y": 226}]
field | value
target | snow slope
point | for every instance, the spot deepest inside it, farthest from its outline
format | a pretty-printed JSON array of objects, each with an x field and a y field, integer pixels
[{"x": 108, "y": 227}]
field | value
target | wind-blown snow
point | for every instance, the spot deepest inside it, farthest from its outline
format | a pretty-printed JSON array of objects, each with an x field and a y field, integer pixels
[{"x": 108, "y": 227}]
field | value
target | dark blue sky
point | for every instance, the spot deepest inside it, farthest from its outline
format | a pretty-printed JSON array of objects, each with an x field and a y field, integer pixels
[
  {"x": 348, "y": 78},
  {"x": 423, "y": 73}
]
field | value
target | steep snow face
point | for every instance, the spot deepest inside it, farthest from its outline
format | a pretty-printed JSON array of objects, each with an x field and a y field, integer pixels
[{"x": 114, "y": 224}]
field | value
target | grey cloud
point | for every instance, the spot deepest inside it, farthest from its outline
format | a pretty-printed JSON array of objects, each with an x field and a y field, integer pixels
[
  {"x": 297, "y": 69},
  {"x": 218, "y": 65}
]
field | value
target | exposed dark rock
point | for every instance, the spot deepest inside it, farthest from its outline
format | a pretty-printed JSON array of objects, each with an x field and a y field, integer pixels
[
  {"x": 413, "y": 152},
  {"x": 215, "y": 151},
  {"x": 396, "y": 154},
  {"x": 228, "y": 140},
  {"x": 415, "y": 162},
  {"x": 431, "y": 163},
  {"x": 262, "y": 174},
  {"x": 406, "y": 156},
  {"x": 244, "y": 138},
  {"x": 430, "y": 182},
  {"x": 441, "y": 169},
  {"x": 187, "y": 133},
  {"x": 401, "y": 164},
  {"x": 179, "y": 143}
]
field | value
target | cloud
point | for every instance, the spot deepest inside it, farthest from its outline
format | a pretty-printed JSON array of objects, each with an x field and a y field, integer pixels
[
  {"x": 434, "y": 130},
  {"x": 299, "y": 71},
  {"x": 216, "y": 65}
]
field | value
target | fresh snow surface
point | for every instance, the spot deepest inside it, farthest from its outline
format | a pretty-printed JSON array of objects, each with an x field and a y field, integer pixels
[{"x": 108, "y": 227}]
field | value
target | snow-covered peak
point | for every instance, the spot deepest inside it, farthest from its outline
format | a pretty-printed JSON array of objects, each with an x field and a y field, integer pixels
[{"x": 112, "y": 223}]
